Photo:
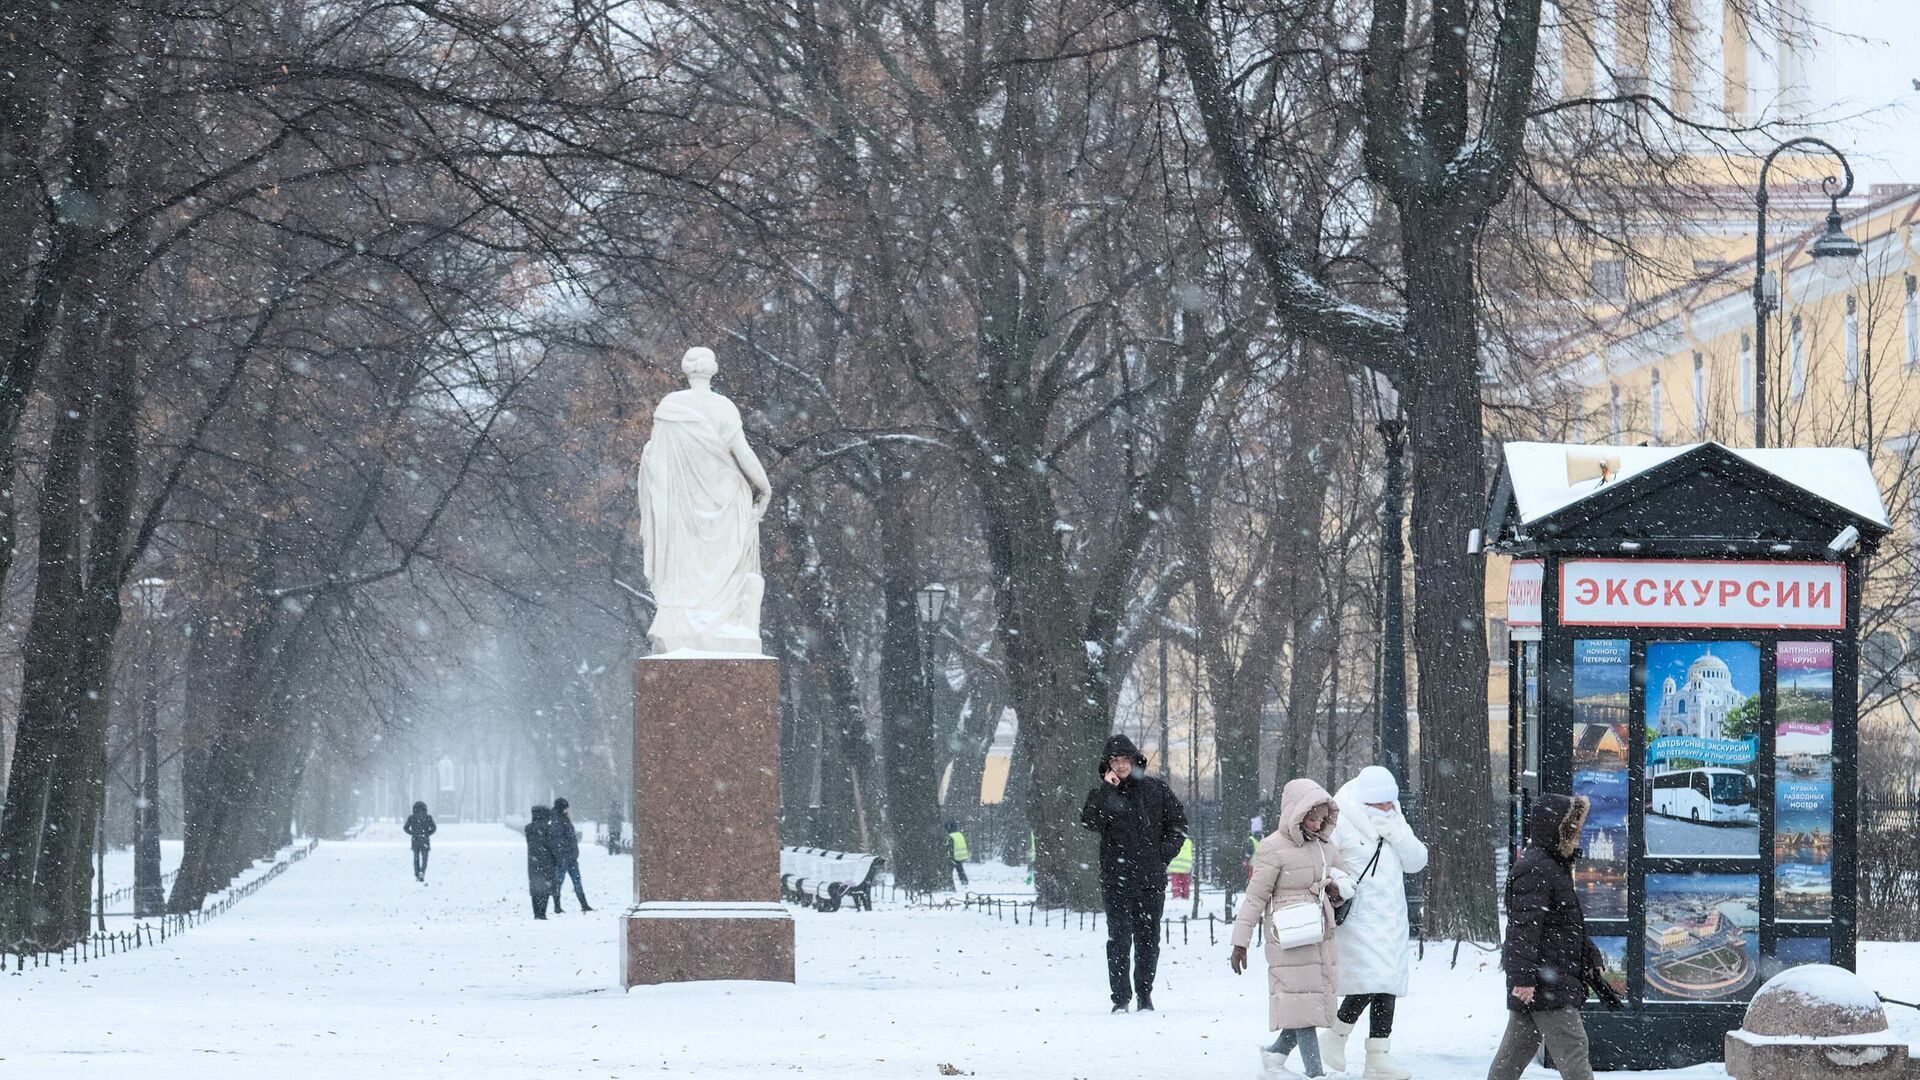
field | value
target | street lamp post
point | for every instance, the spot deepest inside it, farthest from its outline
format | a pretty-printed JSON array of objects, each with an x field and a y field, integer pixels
[
  {"x": 149, "y": 895},
  {"x": 1833, "y": 253},
  {"x": 932, "y": 603}
]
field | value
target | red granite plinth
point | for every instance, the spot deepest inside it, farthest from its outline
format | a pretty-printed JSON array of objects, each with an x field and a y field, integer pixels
[
  {"x": 690, "y": 943},
  {"x": 706, "y": 812}
]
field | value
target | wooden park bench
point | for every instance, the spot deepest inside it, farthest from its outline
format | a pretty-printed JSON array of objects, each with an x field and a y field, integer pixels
[{"x": 822, "y": 879}]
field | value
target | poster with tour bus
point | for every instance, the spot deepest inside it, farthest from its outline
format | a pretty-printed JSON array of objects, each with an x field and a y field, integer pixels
[
  {"x": 1803, "y": 781},
  {"x": 1702, "y": 738}
]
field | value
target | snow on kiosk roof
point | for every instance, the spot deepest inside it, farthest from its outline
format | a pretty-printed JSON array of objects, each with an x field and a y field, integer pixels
[{"x": 1556, "y": 486}]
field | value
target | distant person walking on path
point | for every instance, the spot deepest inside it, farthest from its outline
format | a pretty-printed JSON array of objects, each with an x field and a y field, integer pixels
[
  {"x": 1298, "y": 876},
  {"x": 957, "y": 851},
  {"x": 566, "y": 856},
  {"x": 420, "y": 826},
  {"x": 540, "y": 859},
  {"x": 1141, "y": 825},
  {"x": 1374, "y": 948},
  {"x": 1546, "y": 955}
]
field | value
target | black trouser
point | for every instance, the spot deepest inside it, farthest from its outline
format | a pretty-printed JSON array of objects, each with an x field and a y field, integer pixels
[
  {"x": 420, "y": 860},
  {"x": 1380, "y": 1023},
  {"x": 960, "y": 870},
  {"x": 1133, "y": 925},
  {"x": 539, "y": 904}
]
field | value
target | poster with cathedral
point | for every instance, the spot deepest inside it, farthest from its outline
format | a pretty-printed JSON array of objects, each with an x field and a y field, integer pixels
[
  {"x": 1703, "y": 716},
  {"x": 1602, "y": 718}
]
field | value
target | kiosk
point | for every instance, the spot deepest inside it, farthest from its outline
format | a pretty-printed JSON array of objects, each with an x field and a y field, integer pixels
[{"x": 1685, "y": 624}]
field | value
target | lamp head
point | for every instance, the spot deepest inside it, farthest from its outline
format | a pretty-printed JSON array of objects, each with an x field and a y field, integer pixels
[{"x": 1834, "y": 251}]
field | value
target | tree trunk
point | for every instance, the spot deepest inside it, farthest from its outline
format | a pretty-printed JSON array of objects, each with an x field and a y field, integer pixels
[
  {"x": 919, "y": 860},
  {"x": 1449, "y": 494}
]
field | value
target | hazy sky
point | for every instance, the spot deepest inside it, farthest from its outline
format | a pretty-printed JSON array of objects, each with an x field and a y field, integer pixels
[{"x": 1862, "y": 81}]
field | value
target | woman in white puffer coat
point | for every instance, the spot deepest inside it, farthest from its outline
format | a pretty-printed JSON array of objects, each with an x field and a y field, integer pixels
[{"x": 1375, "y": 955}]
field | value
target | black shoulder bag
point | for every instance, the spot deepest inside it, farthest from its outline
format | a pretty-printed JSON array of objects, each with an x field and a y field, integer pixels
[{"x": 1344, "y": 907}]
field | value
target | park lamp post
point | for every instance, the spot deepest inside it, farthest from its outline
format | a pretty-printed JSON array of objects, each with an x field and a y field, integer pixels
[
  {"x": 1833, "y": 253},
  {"x": 149, "y": 895},
  {"x": 932, "y": 604}
]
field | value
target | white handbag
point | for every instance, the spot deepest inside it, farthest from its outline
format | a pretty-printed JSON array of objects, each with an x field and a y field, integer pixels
[
  {"x": 1295, "y": 925},
  {"x": 1299, "y": 923}
]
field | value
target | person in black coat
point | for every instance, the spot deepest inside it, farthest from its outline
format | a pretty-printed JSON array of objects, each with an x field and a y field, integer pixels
[
  {"x": 566, "y": 855},
  {"x": 1546, "y": 955},
  {"x": 1141, "y": 826},
  {"x": 420, "y": 826},
  {"x": 540, "y": 859}
]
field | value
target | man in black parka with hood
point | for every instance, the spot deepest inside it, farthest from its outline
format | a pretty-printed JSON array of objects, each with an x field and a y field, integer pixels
[
  {"x": 420, "y": 826},
  {"x": 1141, "y": 826},
  {"x": 1546, "y": 955},
  {"x": 540, "y": 860}
]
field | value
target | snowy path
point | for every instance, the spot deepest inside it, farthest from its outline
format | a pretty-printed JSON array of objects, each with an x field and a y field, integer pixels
[{"x": 345, "y": 968}]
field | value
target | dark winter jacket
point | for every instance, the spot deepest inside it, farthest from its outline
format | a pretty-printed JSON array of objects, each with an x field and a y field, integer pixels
[
  {"x": 1546, "y": 945},
  {"x": 1140, "y": 822},
  {"x": 566, "y": 839},
  {"x": 420, "y": 826},
  {"x": 540, "y": 861}
]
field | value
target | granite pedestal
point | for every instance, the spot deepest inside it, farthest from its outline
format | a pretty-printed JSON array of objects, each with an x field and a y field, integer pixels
[{"x": 706, "y": 814}]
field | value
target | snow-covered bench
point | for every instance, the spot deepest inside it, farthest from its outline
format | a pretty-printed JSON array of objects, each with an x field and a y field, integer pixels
[{"x": 822, "y": 879}]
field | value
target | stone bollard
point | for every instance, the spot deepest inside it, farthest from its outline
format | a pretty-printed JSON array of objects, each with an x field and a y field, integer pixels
[{"x": 1816, "y": 1022}]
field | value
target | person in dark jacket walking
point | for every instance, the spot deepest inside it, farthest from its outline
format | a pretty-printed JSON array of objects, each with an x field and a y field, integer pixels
[
  {"x": 1141, "y": 826},
  {"x": 566, "y": 855},
  {"x": 540, "y": 859},
  {"x": 1546, "y": 955},
  {"x": 420, "y": 826}
]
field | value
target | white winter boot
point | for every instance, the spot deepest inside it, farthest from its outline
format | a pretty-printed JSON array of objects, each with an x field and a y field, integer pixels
[
  {"x": 1274, "y": 1066},
  {"x": 1380, "y": 1063},
  {"x": 1333, "y": 1046}
]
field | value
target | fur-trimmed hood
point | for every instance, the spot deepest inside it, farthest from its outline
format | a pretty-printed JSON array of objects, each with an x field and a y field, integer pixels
[{"x": 1554, "y": 823}]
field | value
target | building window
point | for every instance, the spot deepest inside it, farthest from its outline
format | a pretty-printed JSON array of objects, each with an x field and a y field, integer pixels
[
  {"x": 1797, "y": 361},
  {"x": 1699, "y": 396},
  {"x": 1657, "y": 406},
  {"x": 1852, "y": 371},
  {"x": 1613, "y": 416},
  {"x": 1913, "y": 325},
  {"x": 1610, "y": 279},
  {"x": 1746, "y": 373}
]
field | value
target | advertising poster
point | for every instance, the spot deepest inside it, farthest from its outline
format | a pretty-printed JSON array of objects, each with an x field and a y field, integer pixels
[
  {"x": 1602, "y": 676},
  {"x": 1615, "y": 951},
  {"x": 1703, "y": 936},
  {"x": 1703, "y": 715},
  {"x": 1795, "y": 952},
  {"x": 1803, "y": 781}
]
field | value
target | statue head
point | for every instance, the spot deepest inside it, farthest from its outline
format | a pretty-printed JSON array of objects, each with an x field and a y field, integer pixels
[{"x": 698, "y": 365}]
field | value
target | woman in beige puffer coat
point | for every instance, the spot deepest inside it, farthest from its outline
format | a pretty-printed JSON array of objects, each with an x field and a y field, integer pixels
[{"x": 1296, "y": 864}]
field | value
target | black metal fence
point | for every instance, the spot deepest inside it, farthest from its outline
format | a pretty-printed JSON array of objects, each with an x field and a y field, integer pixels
[
  {"x": 98, "y": 945},
  {"x": 1889, "y": 854}
]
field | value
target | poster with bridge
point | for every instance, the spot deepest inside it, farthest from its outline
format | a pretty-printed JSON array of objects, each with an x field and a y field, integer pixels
[
  {"x": 1703, "y": 715},
  {"x": 1803, "y": 781},
  {"x": 1602, "y": 710}
]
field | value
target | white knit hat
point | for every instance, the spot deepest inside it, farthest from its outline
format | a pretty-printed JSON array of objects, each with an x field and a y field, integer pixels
[{"x": 1376, "y": 785}]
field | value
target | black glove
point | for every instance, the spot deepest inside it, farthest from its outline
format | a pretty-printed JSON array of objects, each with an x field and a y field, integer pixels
[{"x": 1596, "y": 981}]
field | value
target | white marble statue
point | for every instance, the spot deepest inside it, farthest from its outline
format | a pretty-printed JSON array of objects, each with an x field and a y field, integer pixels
[{"x": 702, "y": 494}]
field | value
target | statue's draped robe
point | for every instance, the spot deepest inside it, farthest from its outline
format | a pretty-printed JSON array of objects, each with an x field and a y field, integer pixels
[{"x": 702, "y": 541}]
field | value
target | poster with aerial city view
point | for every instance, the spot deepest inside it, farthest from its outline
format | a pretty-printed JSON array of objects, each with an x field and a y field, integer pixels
[
  {"x": 1703, "y": 716},
  {"x": 1602, "y": 710},
  {"x": 1702, "y": 936},
  {"x": 1803, "y": 781}
]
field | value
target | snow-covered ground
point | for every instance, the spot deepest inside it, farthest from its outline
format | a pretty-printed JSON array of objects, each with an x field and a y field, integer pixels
[{"x": 344, "y": 967}]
